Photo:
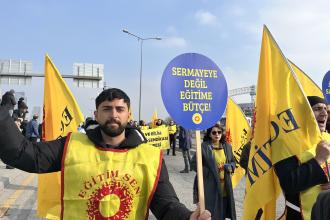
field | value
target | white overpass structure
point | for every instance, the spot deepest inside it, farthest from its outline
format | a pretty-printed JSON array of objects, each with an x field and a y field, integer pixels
[{"x": 244, "y": 90}]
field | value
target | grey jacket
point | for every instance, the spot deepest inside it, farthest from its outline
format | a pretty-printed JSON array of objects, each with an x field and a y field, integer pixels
[{"x": 184, "y": 138}]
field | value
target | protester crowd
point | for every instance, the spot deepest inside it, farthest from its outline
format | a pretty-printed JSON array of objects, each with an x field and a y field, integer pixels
[
  {"x": 119, "y": 133},
  {"x": 18, "y": 110}
]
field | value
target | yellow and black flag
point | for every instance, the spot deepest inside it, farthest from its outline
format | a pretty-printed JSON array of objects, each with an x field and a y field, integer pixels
[
  {"x": 61, "y": 115},
  {"x": 284, "y": 126},
  {"x": 238, "y": 133}
]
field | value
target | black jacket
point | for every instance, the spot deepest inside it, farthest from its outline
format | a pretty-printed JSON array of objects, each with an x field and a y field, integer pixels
[
  {"x": 45, "y": 157},
  {"x": 295, "y": 178},
  {"x": 244, "y": 159}
]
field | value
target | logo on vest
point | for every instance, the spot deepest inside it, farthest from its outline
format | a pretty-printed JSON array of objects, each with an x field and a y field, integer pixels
[{"x": 110, "y": 195}]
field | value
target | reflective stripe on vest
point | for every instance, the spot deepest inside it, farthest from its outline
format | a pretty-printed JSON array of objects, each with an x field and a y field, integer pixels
[
  {"x": 292, "y": 206},
  {"x": 100, "y": 183}
]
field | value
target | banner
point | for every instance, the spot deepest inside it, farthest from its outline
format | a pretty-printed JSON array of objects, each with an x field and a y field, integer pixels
[
  {"x": 158, "y": 137},
  {"x": 61, "y": 115},
  {"x": 284, "y": 126},
  {"x": 238, "y": 133}
]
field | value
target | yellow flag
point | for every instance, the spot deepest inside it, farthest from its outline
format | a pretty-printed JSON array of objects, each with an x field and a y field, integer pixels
[
  {"x": 131, "y": 117},
  {"x": 154, "y": 119},
  {"x": 284, "y": 126},
  {"x": 237, "y": 134},
  {"x": 61, "y": 115},
  {"x": 309, "y": 86}
]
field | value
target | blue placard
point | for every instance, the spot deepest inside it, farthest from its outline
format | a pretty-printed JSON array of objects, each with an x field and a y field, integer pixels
[
  {"x": 194, "y": 91},
  {"x": 326, "y": 86}
]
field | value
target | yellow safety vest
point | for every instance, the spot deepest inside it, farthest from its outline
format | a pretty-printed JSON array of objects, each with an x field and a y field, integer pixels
[
  {"x": 308, "y": 197},
  {"x": 171, "y": 129},
  {"x": 99, "y": 183},
  {"x": 146, "y": 127}
]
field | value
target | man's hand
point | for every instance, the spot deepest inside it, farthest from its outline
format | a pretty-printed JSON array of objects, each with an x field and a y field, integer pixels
[
  {"x": 322, "y": 152},
  {"x": 196, "y": 215}
]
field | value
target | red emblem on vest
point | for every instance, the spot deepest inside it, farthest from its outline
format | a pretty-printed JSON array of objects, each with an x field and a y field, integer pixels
[{"x": 115, "y": 190}]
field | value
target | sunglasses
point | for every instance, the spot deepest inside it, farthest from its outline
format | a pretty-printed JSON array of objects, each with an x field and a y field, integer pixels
[{"x": 216, "y": 132}]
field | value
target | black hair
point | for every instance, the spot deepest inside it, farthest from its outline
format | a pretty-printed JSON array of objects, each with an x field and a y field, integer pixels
[
  {"x": 160, "y": 120},
  {"x": 208, "y": 134},
  {"x": 110, "y": 95}
]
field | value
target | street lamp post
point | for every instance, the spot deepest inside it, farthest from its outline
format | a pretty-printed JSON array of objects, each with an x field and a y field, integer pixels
[{"x": 140, "y": 39}]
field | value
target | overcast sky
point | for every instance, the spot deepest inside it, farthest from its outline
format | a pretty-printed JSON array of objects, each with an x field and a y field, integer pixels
[{"x": 228, "y": 32}]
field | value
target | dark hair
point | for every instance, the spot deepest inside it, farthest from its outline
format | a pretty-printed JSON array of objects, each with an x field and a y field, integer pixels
[
  {"x": 208, "y": 133},
  {"x": 110, "y": 95},
  {"x": 87, "y": 122},
  {"x": 160, "y": 120}
]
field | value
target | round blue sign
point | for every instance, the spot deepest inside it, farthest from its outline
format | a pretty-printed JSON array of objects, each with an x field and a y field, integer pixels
[
  {"x": 326, "y": 86},
  {"x": 194, "y": 91}
]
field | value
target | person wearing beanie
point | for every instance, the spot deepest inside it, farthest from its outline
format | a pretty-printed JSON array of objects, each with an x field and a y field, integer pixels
[
  {"x": 321, "y": 207},
  {"x": 297, "y": 176}
]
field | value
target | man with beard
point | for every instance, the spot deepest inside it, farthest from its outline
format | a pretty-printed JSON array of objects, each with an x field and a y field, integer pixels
[{"x": 109, "y": 172}]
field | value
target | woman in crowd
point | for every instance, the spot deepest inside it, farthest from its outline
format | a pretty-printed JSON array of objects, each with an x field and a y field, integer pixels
[{"x": 218, "y": 166}]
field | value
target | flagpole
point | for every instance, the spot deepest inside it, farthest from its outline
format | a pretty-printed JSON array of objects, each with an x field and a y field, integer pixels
[{"x": 200, "y": 172}]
